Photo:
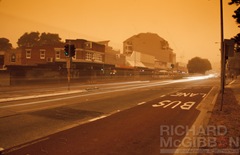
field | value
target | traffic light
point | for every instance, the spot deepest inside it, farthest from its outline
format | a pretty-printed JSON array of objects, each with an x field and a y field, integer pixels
[
  {"x": 69, "y": 50},
  {"x": 72, "y": 50},
  {"x": 66, "y": 50}
]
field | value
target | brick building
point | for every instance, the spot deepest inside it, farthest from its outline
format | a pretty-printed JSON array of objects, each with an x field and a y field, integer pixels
[
  {"x": 33, "y": 56},
  {"x": 49, "y": 62},
  {"x": 86, "y": 51}
]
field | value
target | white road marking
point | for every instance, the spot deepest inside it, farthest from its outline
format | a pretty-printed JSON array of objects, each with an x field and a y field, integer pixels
[
  {"x": 174, "y": 104},
  {"x": 141, "y": 103},
  {"x": 104, "y": 116},
  {"x": 27, "y": 144},
  {"x": 232, "y": 82},
  {"x": 97, "y": 118}
]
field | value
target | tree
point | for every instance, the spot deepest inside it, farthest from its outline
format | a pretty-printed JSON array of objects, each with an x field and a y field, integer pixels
[
  {"x": 237, "y": 2},
  {"x": 35, "y": 39},
  {"x": 28, "y": 39},
  {"x": 237, "y": 12},
  {"x": 237, "y": 42},
  {"x": 237, "y": 17},
  {"x": 198, "y": 65},
  {"x": 5, "y": 45},
  {"x": 49, "y": 39}
]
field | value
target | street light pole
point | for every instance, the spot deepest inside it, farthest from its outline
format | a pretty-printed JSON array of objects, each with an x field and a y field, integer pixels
[{"x": 222, "y": 54}]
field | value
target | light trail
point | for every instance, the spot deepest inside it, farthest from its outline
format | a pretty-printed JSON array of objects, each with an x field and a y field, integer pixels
[{"x": 132, "y": 86}]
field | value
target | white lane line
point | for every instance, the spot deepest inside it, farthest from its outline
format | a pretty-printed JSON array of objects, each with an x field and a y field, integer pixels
[
  {"x": 27, "y": 144},
  {"x": 232, "y": 82},
  {"x": 104, "y": 116},
  {"x": 141, "y": 103},
  {"x": 97, "y": 118}
]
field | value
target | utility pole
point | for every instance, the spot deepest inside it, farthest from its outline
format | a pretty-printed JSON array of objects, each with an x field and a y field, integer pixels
[{"x": 223, "y": 60}]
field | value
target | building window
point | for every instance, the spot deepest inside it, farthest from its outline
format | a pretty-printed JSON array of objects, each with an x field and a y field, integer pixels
[
  {"x": 28, "y": 53},
  {"x": 129, "y": 47},
  {"x": 97, "y": 57},
  {"x": 89, "y": 56},
  {"x": 88, "y": 45},
  {"x": 57, "y": 54},
  {"x": 13, "y": 57},
  {"x": 42, "y": 53}
]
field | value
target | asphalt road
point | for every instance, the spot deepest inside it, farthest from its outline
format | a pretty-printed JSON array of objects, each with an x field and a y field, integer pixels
[{"x": 121, "y": 118}]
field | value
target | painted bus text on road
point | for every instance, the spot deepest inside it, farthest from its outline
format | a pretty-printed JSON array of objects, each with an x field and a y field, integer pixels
[{"x": 174, "y": 104}]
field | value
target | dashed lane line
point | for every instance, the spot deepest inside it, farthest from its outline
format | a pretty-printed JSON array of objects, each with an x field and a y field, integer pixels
[{"x": 141, "y": 103}]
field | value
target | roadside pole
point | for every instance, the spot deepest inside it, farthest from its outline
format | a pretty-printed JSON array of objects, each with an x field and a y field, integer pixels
[
  {"x": 222, "y": 56},
  {"x": 69, "y": 59},
  {"x": 69, "y": 51}
]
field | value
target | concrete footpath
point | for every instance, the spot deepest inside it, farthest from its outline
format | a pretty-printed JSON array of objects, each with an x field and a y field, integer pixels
[
  {"x": 226, "y": 117},
  {"x": 207, "y": 117}
]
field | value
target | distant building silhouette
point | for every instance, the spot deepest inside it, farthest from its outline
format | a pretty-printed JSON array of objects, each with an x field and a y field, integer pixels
[{"x": 151, "y": 44}]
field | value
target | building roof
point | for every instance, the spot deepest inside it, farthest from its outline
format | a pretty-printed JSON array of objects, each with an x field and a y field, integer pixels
[{"x": 145, "y": 36}]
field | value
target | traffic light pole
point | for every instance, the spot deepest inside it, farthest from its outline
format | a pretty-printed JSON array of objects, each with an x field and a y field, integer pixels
[
  {"x": 69, "y": 59},
  {"x": 69, "y": 50}
]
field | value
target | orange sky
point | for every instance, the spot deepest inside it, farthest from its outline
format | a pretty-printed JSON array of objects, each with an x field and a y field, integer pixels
[{"x": 190, "y": 26}]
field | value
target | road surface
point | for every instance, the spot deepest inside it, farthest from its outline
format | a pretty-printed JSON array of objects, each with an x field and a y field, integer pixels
[{"x": 116, "y": 118}]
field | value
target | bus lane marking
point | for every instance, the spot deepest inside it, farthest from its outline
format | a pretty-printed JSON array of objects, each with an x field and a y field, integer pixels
[
  {"x": 181, "y": 94},
  {"x": 184, "y": 100},
  {"x": 166, "y": 103}
]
